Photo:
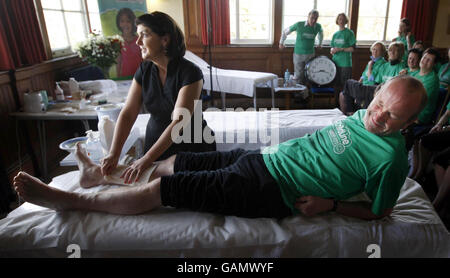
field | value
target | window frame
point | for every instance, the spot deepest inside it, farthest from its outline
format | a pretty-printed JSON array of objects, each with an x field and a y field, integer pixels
[
  {"x": 66, "y": 51},
  {"x": 255, "y": 42},
  {"x": 386, "y": 19}
]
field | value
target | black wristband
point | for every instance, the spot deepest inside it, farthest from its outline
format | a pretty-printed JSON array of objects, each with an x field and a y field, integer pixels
[{"x": 335, "y": 203}]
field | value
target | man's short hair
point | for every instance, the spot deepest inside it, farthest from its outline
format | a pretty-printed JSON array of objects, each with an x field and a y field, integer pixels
[{"x": 314, "y": 12}]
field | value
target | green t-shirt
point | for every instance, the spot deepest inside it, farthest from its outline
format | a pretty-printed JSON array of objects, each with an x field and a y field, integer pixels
[
  {"x": 343, "y": 39},
  {"x": 387, "y": 71},
  {"x": 306, "y": 35},
  {"x": 375, "y": 69},
  {"x": 444, "y": 75},
  {"x": 431, "y": 84},
  {"x": 402, "y": 39},
  {"x": 340, "y": 161}
]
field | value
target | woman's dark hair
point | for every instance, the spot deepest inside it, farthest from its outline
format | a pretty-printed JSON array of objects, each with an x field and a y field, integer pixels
[
  {"x": 128, "y": 13},
  {"x": 162, "y": 24},
  {"x": 416, "y": 51}
]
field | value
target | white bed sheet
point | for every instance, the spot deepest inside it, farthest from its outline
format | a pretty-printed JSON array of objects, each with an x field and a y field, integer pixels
[
  {"x": 413, "y": 230},
  {"x": 254, "y": 129},
  {"x": 232, "y": 81}
]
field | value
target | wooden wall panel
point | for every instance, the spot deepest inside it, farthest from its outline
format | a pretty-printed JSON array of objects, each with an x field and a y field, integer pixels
[{"x": 37, "y": 77}]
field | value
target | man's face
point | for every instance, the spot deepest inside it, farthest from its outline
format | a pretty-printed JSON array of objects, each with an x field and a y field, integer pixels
[
  {"x": 312, "y": 19},
  {"x": 413, "y": 60},
  {"x": 391, "y": 109}
]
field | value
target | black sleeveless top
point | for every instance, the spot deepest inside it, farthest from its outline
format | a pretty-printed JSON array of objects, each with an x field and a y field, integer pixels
[{"x": 160, "y": 101}]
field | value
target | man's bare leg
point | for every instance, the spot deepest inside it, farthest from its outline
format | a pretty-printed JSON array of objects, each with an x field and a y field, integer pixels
[{"x": 133, "y": 200}]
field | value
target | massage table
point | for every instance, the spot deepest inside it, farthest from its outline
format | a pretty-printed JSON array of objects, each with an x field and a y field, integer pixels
[
  {"x": 413, "y": 230},
  {"x": 233, "y": 81}
]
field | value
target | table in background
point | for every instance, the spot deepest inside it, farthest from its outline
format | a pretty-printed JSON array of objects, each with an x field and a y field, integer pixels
[
  {"x": 54, "y": 113},
  {"x": 288, "y": 91}
]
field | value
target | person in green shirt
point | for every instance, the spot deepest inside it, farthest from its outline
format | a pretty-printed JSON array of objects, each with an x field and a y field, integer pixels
[
  {"x": 308, "y": 175},
  {"x": 444, "y": 73},
  {"x": 405, "y": 36},
  {"x": 356, "y": 95},
  {"x": 378, "y": 50},
  {"x": 342, "y": 45},
  {"x": 414, "y": 56},
  {"x": 304, "y": 43},
  {"x": 394, "y": 65},
  {"x": 430, "y": 81}
]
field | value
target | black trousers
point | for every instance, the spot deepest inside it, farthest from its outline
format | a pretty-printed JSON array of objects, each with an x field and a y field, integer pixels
[
  {"x": 230, "y": 183},
  {"x": 357, "y": 96}
]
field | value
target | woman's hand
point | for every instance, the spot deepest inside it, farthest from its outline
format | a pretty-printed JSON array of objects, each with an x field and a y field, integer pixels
[
  {"x": 135, "y": 170},
  {"x": 109, "y": 163}
]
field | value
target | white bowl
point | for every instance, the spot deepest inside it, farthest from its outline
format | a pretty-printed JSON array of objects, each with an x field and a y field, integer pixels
[{"x": 69, "y": 145}]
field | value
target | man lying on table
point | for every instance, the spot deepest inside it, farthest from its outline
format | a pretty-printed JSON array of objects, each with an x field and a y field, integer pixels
[{"x": 311, "y": 174}]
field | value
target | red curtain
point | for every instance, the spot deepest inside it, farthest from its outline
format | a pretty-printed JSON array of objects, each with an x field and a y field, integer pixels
[
  {"x": 421, "y": 14},
  {"x": 220, "y": 21},
  {"x": 21, "y": 41}
]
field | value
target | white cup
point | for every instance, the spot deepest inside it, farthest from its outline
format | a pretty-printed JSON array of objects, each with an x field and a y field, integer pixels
[{"x": 32, "y": 103}]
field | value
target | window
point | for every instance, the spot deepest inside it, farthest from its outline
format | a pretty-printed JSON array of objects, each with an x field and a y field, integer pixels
[
  {"x": 251, "y": 21},
  {"x": 378, "y": 20},
  {"x": 294, "y": 11},
  {"x": 67, "y": 23},
  {"x": 94, "y": 16}
]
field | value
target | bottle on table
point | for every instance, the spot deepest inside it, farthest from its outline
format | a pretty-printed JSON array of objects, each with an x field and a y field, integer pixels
[{"x": 287, "y": 75}]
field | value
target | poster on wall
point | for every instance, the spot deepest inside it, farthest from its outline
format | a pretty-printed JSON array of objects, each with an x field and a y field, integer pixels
[{"x": 118, "y": 18}]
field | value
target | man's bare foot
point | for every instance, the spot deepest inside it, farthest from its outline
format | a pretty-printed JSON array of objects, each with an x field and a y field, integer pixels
[
  {"x": 33, "y": 190},
  {"x": 90, "y": 173}
]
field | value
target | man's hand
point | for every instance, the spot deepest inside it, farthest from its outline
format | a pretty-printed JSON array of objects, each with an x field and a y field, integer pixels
[
  {"x": 281, "y": 46},
  {"x": 312, "y": 205}
]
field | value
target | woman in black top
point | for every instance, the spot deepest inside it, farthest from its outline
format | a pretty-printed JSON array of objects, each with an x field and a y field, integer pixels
[{"x": 169, "y": 86}]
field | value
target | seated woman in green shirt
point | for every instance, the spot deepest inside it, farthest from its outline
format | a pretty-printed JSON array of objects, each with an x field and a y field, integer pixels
[
  {"x": 378, "y": 50},
  {"x": 430, "y": 81},
  {"x": 394, "y": 65},
  {"x": 414, "y": 56}
]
